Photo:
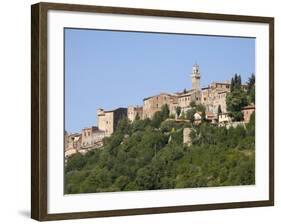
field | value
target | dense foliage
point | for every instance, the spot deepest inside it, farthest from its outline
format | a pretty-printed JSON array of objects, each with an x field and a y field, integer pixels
[
  {"x": 149, "y": 154},
  {"x": 251, "y": 88},
  {"x": 239, "y": 97}
]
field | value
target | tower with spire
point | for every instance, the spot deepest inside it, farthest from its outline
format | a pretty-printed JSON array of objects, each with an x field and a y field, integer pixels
[{"x": 195, "y": 77}]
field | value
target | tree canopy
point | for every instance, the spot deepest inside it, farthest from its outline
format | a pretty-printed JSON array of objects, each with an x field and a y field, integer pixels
[
  {"x": 239, "y": 97},
  {"x": 150, "y": 154}
]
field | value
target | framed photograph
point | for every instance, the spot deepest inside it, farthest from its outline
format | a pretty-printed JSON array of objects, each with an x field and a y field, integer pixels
[{"x": 141, "y": 111}]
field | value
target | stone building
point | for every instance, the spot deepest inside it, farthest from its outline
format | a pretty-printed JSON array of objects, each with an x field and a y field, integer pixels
[
  {"x": 107, "y": 120},
  {"x": 184, "y": 99},
  {"x": 212, "y": 97},
  {"x": 153, "y": 104},
  {"x": 134, "y": 111},
  {"x": 72, "y": 143},
  {"x": 247, "y": 112},
  {"x": 195, "y": 77},
  {"x": 211, "y": 117},
  {"x": 193, "y": 95},
  {"x": 224, "y": 118},
  {"x": 91, "y": 138}
]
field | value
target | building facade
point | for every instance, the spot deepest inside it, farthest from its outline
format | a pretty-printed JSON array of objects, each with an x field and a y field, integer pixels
[
  {"x": 108, "y": 120},
  {"x": 195, "y": 77},
  {"x": 224, "y": 118},
  {"x": 213, "y": 97},
  {"x": 153, "y": 104},
  {"x": 247, "y": 112},
  {"x": 133, "y": 112},
  {"x": 72, "y": 143},
  {"x": 91, "y": 137}
]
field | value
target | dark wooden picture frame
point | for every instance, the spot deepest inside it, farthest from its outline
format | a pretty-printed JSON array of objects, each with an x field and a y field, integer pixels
[{"x": 39, "y": 106}]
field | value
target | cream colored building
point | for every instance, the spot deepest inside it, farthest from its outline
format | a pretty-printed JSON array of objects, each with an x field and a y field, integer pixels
[
  {"x": 224, "y": 118},
  {"x": 195, "y": 77},
  {"x": 72, "y": 144},
  {"x": 185, "y": 98},
  {"x": 107, "y": 121},
  {"x": 91, "y": 137},
  {"x": 215, "y": 95},
  {"x": 134, "y": 111},
  {"x": 153, "y": 104},
  {"x": 211, "y": 97}
]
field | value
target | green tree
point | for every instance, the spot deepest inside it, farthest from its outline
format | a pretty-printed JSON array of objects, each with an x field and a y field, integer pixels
[
  {"x": 235, "y": 82},
  {"x": 231, "y": 84},
  {"x": 251, "y": 88},
  {"x": 235, "y": 100},
  {"x": 137, "y": 117},
  {"x": 123, "y": 125},
  {"x": 192, "y": 104},
  {"x": 200, "y": 108},
  {"x": 157, "y": 119},
  {"x": 190, "y": 115},
  {"x": 145, "y": 178},
  {"x": 251, "y": 82},
  {"x": 165, "y": 111},
  {"x": 178, "y": 111},
  {"x": 75, "y": 162},
  {"x": 144, "y": 159},
  {"x": 251, "y": 125},
  {"x": 160, "y": 116}
]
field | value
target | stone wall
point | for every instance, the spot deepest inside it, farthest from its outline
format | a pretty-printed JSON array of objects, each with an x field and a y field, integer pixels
[
  {"x": 154, "y": 103},
  {"x": 247, "y": 112},
  {"x": 186, "y": 136},
  {"x": 118, "y": 114},
  {"x": 133, "y": 111},
  {"x": 72, "y": 144},
  {"x": 107, "y": 120}
]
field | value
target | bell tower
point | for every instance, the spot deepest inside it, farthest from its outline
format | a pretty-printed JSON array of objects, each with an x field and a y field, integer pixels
[{"x": 195, "y": 77}]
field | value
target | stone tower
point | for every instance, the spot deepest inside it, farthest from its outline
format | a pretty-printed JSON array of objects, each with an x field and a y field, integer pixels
[{"x": 195, "y": 77}]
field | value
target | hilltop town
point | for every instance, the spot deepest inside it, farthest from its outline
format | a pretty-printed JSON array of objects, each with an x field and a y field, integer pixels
[{"x": 213, "y": 98}]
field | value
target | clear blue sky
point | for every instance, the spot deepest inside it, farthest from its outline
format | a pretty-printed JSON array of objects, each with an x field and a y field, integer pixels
[{"x": 110, "y": 69}]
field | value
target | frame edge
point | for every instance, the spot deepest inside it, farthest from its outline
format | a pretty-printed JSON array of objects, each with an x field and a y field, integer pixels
[
  {"x": 35, "y": 190},
  {"x": 39, "y": 111},
  {"x": 271, "y": 112}
]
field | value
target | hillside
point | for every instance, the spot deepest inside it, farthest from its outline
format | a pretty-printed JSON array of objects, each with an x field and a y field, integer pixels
[{"x": 149, "y": 154}]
